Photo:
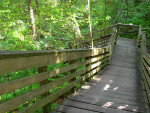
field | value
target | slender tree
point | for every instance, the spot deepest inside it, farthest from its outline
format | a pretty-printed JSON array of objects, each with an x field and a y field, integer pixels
[
  {"x": 127, "y": 11},
  {"x": 90, "y": 25},
  {"x": 76, "y": 25},
  {"x": 37, "y": 7},
  {"x": 32, "y": 18}
]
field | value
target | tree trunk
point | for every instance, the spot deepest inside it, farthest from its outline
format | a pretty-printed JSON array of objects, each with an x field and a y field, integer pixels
[
  {"x": 119, "y": 13},
  {"x": 76, "y": 25},
  {"x": 77, "y": 29},
  {"x": 63, "y": 1},
  {"x": 34, "y": 35},
  {"x": 127, "y": 11},
  {"x": 37, "y": 8},
  {"x": 90, "y": 26},
  {"x": 105, "y": 17}
]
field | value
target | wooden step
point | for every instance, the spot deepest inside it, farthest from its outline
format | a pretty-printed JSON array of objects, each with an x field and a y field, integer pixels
[
  {"x": 89, "y": 107},
  {"x": 110, "y": 104}
]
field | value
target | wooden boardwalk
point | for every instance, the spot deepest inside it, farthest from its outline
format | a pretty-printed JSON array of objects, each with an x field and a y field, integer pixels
[{"x": 118, "y": 89}]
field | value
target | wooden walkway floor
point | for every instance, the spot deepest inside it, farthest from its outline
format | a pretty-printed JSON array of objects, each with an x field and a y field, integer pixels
[{"x": 118, "y": 89}]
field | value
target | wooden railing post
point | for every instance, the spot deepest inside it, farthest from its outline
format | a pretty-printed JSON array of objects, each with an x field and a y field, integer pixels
[
  {"x": 87, "y": 58},
  {"x": 46, "y": 108},
  {"x": 112, "y": 42},
  {"x": 139, "y": 36},
  {"x": 72, "y": 71},
  {"x": 117, "y": 30}
]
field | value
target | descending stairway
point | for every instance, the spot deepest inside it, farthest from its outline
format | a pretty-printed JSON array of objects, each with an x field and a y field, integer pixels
[{"x": 118, "y": 89}]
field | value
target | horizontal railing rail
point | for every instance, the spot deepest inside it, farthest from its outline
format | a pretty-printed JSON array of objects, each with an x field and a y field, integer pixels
[
  {"x": 130, "y": 30},
  {"x": 102, "y": 35},
  {"x": 99, "y": 58}
]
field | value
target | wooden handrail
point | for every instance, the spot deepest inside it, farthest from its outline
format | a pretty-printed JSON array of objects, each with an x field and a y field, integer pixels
[
  {"x": 144, "y": 61},
  {"x": 101, "y": 29},
  {"x": 99, "y": 34}
]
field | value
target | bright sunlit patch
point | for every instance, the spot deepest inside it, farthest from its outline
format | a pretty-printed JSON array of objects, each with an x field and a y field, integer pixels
[
  {"x": 94, "y": 71},
  {"x": 108, "y": 104},
  {"x": 96, "y": 79},
  {"x": 122, "y": 107},
  {"x": 103, "y": 51},
  {"x": 115, "y": 88},
  {"x": 106, "y": 87},
  {"x": 110, "y": 81},
  {"x": 84, "y": 78},
  {"x": 135, "y": 110},
  {"x": 86, "y": 87},
  {"x": 94, "y": 59},
  {"x": 95, "y": 65},
  {"x": 76, "y": 93},
  {"x": 108, "y": 17},
  {"x": 95, "y": 52}
]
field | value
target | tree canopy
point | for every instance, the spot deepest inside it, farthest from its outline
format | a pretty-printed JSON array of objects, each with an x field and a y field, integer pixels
[{"x": 37, "y": 24}]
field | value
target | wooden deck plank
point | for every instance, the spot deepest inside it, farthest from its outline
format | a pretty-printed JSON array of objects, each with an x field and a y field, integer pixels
[
  {"x": 111, "y": 104},
  {"x": 67, "y": 109},
  {"x": 120, "y": 86},
  {"x": 115, "y": 100},
  {"x": 125, "y": 87},
  {"x": 90, "y": 107},
  {"x": 113, "y": 88},
  {"x": 106, "y": 91},
  {"x": 98, "y": 94}
]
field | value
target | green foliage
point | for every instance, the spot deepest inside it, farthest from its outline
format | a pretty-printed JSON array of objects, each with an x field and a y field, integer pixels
[
  {"x": 138, "y": 13},
  {"x": 55, "y": 20},
  {"x": 53, "y": 106}
]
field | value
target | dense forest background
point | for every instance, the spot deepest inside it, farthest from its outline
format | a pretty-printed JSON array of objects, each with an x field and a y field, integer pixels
[
  {"x": 38, "y": 24},
  {"x": 59, "y": 24}
]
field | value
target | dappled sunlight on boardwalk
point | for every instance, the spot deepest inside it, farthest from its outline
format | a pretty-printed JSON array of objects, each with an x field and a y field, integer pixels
[
  {"x": 108, "y": 104},
  {"x": 118, "y": 89},
  {"x": 122, "y": 107}
]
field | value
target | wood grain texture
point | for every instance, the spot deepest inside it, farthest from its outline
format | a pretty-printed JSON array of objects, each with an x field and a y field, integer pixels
[
  {"x": 22, "y": 63},
  {"x": 20, "y": 83},
  {"x": 43, "y": 89},
  {"x": 60, "y": 92}
]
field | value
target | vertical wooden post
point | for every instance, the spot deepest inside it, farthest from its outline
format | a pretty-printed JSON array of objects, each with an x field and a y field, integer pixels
[
  {"x": 88, "y": 79},
  {"x": 90, "y": 24},
  {"x": 46, "y": 108},
  {"x": 102, "y": 39},
  {"x": 74, "y": 39},
  {"x": 116, "y": 34},
  {"x": 117, "y": 31},
  {"x": 72, "y": 71},
  {"x": 139, "y": 36}
]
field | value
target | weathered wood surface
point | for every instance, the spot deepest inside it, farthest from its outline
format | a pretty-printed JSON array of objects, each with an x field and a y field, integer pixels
[
  {"x": 118, "y": 89},
  {"x": 62, "y": 91},
  {"x": 17, "y": 84},
  {"x": 43, "y": 89},
  {"x": 23, "y": 62}
]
